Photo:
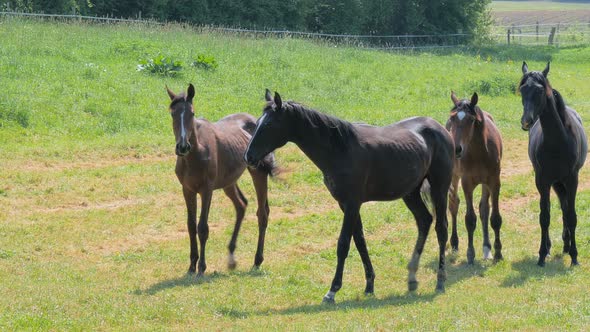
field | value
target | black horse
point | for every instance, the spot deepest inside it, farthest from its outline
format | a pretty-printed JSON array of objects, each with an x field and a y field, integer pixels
[
  {"x": 363, "y": 163},
  {"x": 557, "y": 149}
]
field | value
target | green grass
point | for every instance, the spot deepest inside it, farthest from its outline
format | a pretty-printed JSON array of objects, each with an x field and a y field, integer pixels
[
  {"x": 92, "y": 224},
  {"x": 504, "y": 6}
]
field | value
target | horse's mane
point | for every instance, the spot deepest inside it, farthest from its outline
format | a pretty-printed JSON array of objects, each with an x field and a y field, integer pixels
[{"x": 338, "y": 132}]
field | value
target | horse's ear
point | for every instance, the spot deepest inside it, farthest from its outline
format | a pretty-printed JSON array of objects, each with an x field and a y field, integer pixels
[
  {"x": 170, "y": 93},
  {"x": 474, "y": 100},
  {"x": 190, "y": 92},
  {"x": 278, "y": 101},
  {"x": 546, "y": 70},
  {"x": 268, "y": 95},
  {"x": 525, "y": 68},
  {"x": 454, "y": 98}
]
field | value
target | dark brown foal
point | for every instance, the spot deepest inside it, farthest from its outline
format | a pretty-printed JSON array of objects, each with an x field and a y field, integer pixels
[
  {"x": 210, "y": 157},
  {"x": 478, "y": 152}
]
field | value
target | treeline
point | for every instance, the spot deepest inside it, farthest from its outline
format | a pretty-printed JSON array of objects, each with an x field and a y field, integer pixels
[{"x": 375, "y": 17}]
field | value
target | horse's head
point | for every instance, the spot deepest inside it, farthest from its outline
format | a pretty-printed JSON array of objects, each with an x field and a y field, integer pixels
[
  {"x": 181, "y": 110},
  {"x": 534, "y": 89},
  {"x": 271, "y": 131},
  {"x": 465, "y": 116}
]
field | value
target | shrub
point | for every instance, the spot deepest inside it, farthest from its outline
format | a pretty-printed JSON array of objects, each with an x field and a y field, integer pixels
[
  {"x": 206, "y": 62},
  {"x": 160, "y": 65}
]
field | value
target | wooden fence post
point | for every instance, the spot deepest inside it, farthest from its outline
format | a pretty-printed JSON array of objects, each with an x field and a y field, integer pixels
[
  {"x": 551, "y": 36},
  {"x": 508, "y": 36},
  {"x": 537, "y": 29}
]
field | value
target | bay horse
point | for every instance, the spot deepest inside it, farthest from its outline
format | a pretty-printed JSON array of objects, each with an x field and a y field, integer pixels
[
  {"x": 210, "y": 157},
  {"x": 478, "y": 152},
  {"x": 557, "y": 150},
  {"x": 362, "y": 163}
]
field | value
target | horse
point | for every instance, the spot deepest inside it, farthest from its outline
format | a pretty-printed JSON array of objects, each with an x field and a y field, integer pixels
[
  {"x": 362, "y": 163},
  {"x": 557, "y": 150},
  {"x": 478, "y": 152},
  {"x": 210, "y": 157}
]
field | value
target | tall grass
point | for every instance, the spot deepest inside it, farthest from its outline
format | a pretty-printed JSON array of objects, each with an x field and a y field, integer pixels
[{"x": 92, "y": 220}]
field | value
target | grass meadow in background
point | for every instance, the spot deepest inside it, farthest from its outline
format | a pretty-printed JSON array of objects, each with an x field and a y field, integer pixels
[{"x": 92, "y": 219}]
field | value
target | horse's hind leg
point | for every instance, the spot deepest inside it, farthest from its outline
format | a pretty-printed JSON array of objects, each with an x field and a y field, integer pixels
[
  {"x": 190, "y": 199},
  {"x": 261, "y": 186},
  {"x": 235, "y": 195},
  {"x": 423, "y": 221},
  {"x": 567, "y": 199},
  {"x": 439, "y": 186},
  {"x": 454, "y": 209},
  {"x": 484, "y": 214},
  {"x": 496, "y": 219}
]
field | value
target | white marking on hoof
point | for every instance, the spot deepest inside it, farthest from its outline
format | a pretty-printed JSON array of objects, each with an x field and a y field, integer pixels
[
  {"x": 329, "y": 297},
  {"x": 487, "y": 253}
]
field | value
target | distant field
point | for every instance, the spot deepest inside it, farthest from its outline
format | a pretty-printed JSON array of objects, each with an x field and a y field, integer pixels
[
  {"x": 93, "y": 224},
  {"x": 530, "y": 12}
]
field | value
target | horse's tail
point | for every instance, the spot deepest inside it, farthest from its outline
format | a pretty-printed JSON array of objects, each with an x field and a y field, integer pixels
[
  {"x": 269, "y": 165},
  {"x": 426, "y": 196}
]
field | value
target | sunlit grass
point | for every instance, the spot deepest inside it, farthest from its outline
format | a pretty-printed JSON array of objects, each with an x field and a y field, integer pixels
[{"x": 92, "y": 224}]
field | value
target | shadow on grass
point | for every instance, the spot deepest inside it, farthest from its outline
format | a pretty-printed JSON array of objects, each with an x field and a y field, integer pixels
[
  {"x": 189, "y": 280},
  {"x": 527, "y": 269},
  {"x": 365, "y": 303},
  {"x": 458, "y": 272}
]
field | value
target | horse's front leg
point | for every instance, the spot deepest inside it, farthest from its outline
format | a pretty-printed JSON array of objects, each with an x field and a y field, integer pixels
[
  {"x": 496, "y": 220},
  {"x": 544, "y": 220},
  {"x": 190, "y": 198},
  {"x": 470, "y": 219},
  {"x": 351, "y": 213},
  {"x": 361, "y": 246},
  {"x": 203, "y": 227}
]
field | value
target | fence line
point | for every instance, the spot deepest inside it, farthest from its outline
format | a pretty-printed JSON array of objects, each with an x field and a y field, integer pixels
[{"x": 526, "y": 34}]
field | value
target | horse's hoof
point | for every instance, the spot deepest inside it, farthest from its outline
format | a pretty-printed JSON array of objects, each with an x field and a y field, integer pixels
[
  {"x": 575, "y": 262},
  {"x": 231, "y": 265},
  {"x": 541, "y": 263},
  {"x": 255, "y": 268},
  {"x": 370, "y": 294},
  {"x": 498, "y": 257},
  {"x": 328, "y": 300},
  {"x": 412, "y": 285},
  {"x": 487, "y": 253},
  {"x": 440, "y": 288}
]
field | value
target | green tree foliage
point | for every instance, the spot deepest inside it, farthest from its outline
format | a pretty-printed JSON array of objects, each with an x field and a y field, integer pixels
[{"x": 376, "y": 17}]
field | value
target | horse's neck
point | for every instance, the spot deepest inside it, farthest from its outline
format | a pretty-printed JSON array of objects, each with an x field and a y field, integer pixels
[
  {"x": 319, "y": 151},
  {"x": 552, "y": 122}
]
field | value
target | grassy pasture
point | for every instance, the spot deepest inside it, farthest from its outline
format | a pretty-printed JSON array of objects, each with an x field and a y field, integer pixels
[
  {"x": 92, "y": 221},
  {"x": 544, "y": 12}
]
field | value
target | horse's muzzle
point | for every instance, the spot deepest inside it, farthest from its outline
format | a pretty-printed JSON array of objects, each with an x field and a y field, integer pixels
[
  {"x": 525, "y": 126},
  {"x": 182, "y": 149}
]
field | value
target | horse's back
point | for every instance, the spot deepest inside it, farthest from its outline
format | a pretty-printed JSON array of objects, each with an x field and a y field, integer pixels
[{"x": 243, "y": 121}]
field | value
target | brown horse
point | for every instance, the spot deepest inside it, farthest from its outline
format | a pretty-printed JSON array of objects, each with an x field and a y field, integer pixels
[
  {"x": 210, "y": 156},
  {"x": 362, "y": 163},
  {"x": 478, "y": 152}
]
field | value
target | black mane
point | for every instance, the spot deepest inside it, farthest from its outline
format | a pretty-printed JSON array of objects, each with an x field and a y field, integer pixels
[{"x": 337, "y": 132}]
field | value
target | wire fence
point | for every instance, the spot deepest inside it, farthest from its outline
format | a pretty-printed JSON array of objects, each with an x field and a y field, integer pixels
[{"x": 531, "y": 34}]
